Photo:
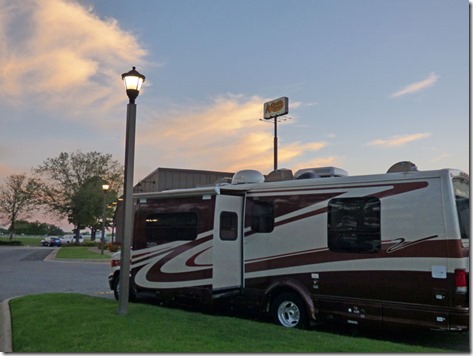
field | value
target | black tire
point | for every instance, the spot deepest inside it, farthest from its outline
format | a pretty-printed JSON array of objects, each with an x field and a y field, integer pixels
[
  {"x": 289, "y": 310},
  {"x": 116, "y": 290},
  {"x": 116, "y": 287}
]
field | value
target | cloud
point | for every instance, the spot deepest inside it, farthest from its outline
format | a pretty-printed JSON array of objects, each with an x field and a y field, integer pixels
[
  {"x": 396, "y": 141},
  {"x": 225, "y": 134},
  {"x": 58, "y": 54},
  {"x": 415, "y": 87}
]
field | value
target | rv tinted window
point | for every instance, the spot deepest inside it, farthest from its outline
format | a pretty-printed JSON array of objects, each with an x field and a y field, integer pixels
[
  {"x": 262, "y": 216},
  {"x": 171, "y": 227},
  {"x": 461, "y": 189},
  {"x": 228, "y": 225},
  {"x": 354, "y": 225}
]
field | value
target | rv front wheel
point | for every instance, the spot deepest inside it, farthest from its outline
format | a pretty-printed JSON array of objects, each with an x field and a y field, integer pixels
[
  {"x": 289, "y": 310},
  {"x": 116, "y": 290}
]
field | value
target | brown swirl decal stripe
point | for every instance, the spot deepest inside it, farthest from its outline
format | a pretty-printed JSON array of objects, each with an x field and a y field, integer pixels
[
  {"x": 398, "y": 188},
  {"x": 402, "y": 243},
  {"x": 422, "y": 248},
  {"x": 191, "y": 261},
  {"x": 156, "y": 274}
]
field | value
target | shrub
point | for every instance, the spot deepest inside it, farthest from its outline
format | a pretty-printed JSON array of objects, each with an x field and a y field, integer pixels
[
  {"x": 90, "y": 243},
  {"x": 113, "y": 247},
  {"x": 11, "y": 243}
]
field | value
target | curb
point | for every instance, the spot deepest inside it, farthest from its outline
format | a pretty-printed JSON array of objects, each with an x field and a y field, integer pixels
[{"x": 5, "y": 326}]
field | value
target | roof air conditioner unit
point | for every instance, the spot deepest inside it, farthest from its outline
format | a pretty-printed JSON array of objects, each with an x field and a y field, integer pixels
[
  {"x": 247, "y": 176},
  {"x": 403, "y": 166},
  {"x": 320, "y": 172}
]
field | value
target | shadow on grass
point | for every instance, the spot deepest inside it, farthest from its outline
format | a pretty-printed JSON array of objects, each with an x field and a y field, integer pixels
[{"x": 454, "y": 341}]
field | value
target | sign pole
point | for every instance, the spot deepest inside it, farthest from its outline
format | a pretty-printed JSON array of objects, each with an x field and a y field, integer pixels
[
  {"x": 275, "y": 143},
  {"x": 272, "y": 110}
]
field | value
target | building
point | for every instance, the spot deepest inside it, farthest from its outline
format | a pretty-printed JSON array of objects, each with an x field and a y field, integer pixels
[{"x": 175, "y": 178}]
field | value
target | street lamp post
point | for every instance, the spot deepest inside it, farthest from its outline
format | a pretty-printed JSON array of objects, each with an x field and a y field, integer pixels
[
  {"x": 133, "y": 81},
  {"x": 102, "y": 239}
]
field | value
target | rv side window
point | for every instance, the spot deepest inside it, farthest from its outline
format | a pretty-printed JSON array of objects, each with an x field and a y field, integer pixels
[
  {"x": 262, "y": 216},
  {"x": 228, "y": 225},
  {"x": 354, "y": 225},
  {"x": 171, "y": 227},
  {"x": 461, "y": 189}
]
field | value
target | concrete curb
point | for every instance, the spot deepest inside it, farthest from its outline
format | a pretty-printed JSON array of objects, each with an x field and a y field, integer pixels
[{"x": 5, "y": 327}]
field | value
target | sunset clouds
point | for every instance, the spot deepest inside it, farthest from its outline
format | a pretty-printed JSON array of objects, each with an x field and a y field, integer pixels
[
  {"x": 225, "y": 134},
  {"x": 209, "y": 69},
  {"x": 399, "y": 140},
  {"x": 417, "y": 86},
  {"x": 58, "y": 54}
]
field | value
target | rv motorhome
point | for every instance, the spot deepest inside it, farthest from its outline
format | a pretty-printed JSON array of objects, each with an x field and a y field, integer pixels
[{"x": 385, "y": 249}]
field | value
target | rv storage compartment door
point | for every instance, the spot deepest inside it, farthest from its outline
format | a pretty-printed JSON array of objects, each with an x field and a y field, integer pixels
[{"x": 227, "y": 244}]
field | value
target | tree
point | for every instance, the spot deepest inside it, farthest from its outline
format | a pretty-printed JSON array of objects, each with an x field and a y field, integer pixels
[
  {"x": 17, "y": 197},
  {"x": 37, "y": 228},
  {"x": 71, "y": 185},
  {"x": 87, "y": 205}
]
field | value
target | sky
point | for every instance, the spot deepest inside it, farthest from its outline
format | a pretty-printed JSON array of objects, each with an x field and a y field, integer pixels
[{"x": 370, "y": 82}]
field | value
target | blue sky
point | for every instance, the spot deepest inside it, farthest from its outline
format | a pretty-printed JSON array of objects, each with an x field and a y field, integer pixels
[{"x": 369, "y": 82}]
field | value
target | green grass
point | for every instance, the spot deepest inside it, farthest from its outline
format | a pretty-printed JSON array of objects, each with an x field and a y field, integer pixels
[
  {"x": 80, "y": 252},
  {"x": 25, "y": 240},
  {"x": 79, "y": 323}
]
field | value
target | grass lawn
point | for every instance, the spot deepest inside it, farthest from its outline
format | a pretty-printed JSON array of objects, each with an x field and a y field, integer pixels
[
  {"x": 25, "y": 240},
  {"x": 80, "y": 252},
  {"x": 79, "y": 323}
]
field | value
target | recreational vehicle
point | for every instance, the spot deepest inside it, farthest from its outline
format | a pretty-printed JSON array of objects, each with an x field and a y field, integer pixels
[{"x": 317, "y": 245}]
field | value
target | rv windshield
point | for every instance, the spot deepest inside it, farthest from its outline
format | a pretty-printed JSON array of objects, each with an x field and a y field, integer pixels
[{"x": 461, "y": 188}]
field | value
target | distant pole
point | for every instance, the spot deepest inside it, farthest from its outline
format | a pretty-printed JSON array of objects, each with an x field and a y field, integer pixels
[{"x": 104, "y": 213}]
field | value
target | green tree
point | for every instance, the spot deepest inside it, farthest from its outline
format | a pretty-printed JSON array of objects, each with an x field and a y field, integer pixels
[
  {"x": 17, "y": 197},
  {"x": 70, "y": 185},
  {"x": 37, "y": 228},
  {"x": 87, "y": 205}
]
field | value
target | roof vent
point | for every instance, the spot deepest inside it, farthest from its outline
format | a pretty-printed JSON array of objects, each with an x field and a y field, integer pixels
[
  {"x": 223, "y": 181},
  {"x": 404, "y": 166},
  {"x": 247, "y": 176},
  {"x": 321, "y": 172},
  {"x": 279, "y": 174}
]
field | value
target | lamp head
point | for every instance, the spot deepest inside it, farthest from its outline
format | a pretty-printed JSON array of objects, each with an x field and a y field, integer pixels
[{"x": 133, "y": 81}]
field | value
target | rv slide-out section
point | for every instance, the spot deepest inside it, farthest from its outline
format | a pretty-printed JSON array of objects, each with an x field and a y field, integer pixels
[{"x": 390, "y": 249}]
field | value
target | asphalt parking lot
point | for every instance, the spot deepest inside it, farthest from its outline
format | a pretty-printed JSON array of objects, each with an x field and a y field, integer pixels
[{"x": 25, "y": 270}]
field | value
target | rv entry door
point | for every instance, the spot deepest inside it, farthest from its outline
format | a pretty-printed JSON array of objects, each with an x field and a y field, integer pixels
[{"x": 227, "y": 244}]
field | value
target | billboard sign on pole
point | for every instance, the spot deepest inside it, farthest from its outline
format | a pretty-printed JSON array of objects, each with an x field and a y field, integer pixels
[{"x": 276, "y": 107}]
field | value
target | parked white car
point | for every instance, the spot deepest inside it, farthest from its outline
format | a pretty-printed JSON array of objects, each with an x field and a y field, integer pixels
[{"x": 71, "y": 239}]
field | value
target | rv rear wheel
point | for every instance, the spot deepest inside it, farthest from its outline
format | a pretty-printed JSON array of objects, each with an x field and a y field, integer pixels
[{"x": 289, "y": 310}]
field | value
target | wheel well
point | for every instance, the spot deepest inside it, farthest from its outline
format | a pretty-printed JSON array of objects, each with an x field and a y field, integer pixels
[
  {"x": 289, "y": 286},
  {"x": 116, "y": 275}
]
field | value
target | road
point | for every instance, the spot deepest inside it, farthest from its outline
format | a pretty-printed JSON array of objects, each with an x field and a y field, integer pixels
[{"x": 23, "y": 271}]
